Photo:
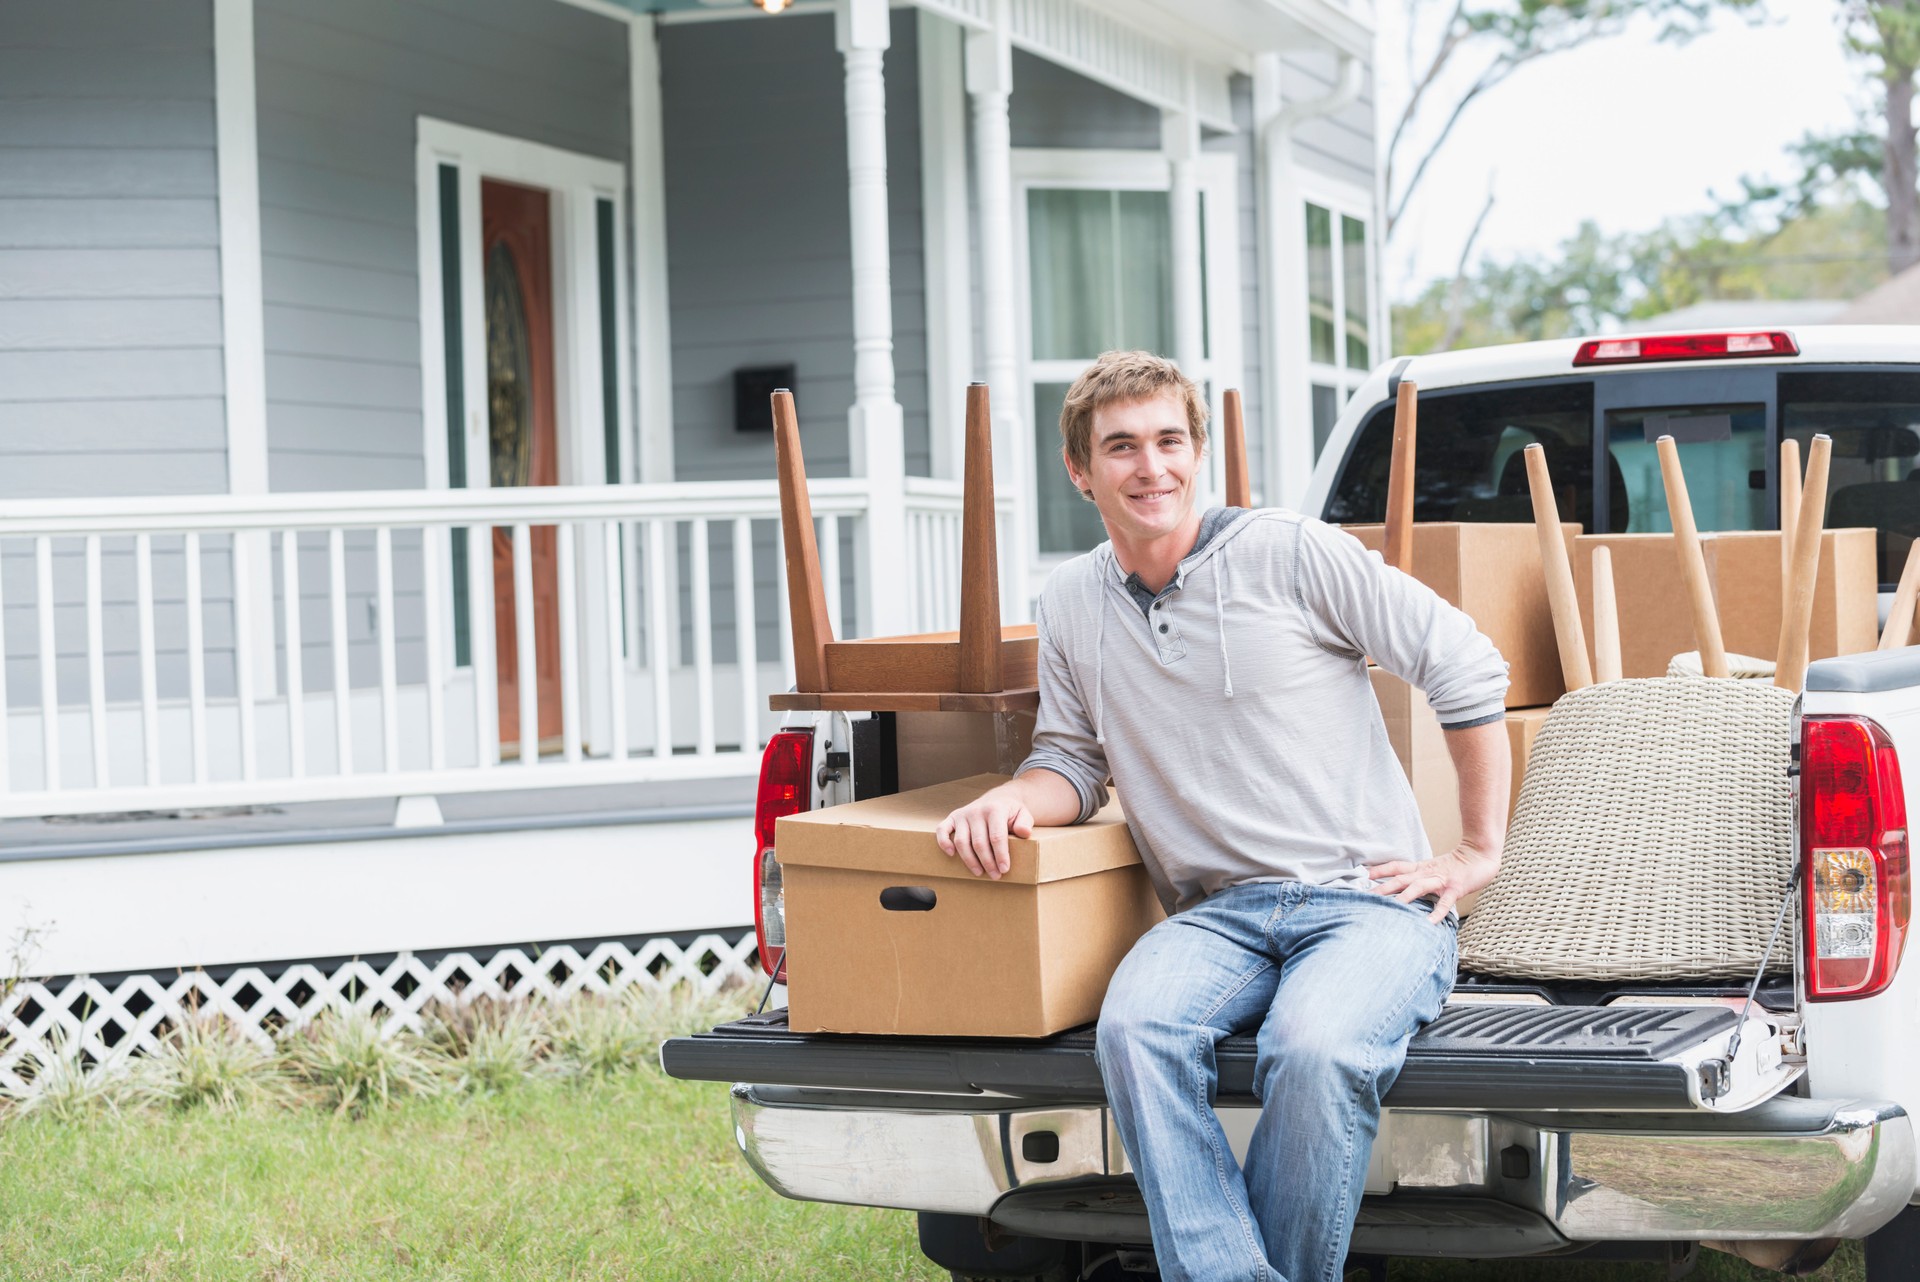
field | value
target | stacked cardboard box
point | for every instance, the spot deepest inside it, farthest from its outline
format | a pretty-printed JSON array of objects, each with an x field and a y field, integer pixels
[
  {"x": 890, "y": 935},
  {"x": 1744, "y": 570}
]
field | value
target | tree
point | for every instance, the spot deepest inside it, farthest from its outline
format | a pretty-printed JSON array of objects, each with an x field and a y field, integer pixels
[
  {"x": 1594, "y": 281},
  {"x": 1478, "y": 48},
  {"x": 1887, "y": 32},
  {"x": 1876, "y": 156}
]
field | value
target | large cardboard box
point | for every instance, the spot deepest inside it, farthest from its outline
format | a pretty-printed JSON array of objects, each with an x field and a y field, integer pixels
[
  {"x": 1492, "y": 571},
  {"x": 886, "y": 934},
  {"x": 1744, "y": 569},
  {"x": 934, "y": 747},
  {"x": 1748, "y": 589},
  {"x": 1421, "y": 748}
]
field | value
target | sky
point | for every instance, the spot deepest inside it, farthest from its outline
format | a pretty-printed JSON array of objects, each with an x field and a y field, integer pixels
[{"x": 1627, "y": 132}]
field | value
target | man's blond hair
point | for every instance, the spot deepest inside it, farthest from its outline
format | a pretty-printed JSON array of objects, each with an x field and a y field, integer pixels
[{"x": 1120, "y": 378}]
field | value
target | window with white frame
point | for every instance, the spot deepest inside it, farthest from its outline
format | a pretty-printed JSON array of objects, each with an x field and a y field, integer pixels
[
  {"x": 1099, "y": 276},
  {"x": 1340, "y": 346}
]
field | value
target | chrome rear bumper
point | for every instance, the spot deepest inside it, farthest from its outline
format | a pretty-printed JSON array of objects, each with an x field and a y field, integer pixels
[{"x": 1788, "y": 1169}]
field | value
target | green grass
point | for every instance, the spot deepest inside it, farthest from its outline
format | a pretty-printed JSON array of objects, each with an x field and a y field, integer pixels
[{"x": 633, "y": 1176}]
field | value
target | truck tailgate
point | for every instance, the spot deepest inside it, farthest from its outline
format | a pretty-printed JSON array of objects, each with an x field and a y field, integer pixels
[{"x": 1503, "y": 1057}]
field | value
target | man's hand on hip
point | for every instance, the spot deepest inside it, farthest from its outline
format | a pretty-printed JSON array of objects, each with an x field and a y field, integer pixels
[
  {"x": 1449, "y": 878},
  {"x": 977, "y": 832}
]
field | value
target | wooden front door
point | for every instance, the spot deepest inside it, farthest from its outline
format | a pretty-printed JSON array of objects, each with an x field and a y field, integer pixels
[{"x": 521, "y": 445}]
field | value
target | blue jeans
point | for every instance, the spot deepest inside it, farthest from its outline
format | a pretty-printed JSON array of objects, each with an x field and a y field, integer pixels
[{"x": 1337, "y": 981}]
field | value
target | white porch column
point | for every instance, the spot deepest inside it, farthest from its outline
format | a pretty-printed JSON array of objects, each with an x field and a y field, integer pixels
[
  {"x": 1180, "y": 138},
  {"x": 876, "y": 430},
  {"x": 989, "y": 83}
]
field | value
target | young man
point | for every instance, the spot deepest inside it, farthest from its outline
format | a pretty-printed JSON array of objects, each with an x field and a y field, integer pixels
[{"x": 1215, "y": 667}]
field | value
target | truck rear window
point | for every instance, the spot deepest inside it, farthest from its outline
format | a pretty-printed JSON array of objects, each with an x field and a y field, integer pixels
[
  {"x": 1874, "y": 478},
  {"x": 1470, "y": 464}
]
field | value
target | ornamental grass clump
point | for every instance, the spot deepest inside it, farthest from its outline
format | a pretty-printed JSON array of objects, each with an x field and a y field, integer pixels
[
  {"x": 598, "y": 1035},
  {"x": 344, "y": 1059},
  {"x": 208, "y": 1061},
  {"x": 64, "y": 1083},
  {"x": 489, "y": 1045}
]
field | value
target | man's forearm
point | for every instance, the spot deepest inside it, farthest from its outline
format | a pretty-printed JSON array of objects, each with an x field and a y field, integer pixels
[
  {"x": 1483, "y": 763},
  {"x": 1050, "y": 798}
]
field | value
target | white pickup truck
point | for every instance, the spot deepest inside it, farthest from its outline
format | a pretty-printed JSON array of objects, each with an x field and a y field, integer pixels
[{"x": 1533, "y": 1118}]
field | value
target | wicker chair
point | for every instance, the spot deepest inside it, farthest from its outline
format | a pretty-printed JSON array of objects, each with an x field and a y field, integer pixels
[{"x": 1652, "y": 840}]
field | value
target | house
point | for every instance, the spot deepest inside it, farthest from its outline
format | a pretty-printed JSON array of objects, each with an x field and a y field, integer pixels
[{"x": 387, "y": 523}]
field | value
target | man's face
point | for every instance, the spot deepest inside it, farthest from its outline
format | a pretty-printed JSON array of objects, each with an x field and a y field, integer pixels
[{"x": 1142, "y": 468}]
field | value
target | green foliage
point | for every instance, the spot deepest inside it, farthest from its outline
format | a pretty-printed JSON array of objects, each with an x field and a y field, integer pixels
[
  {"x": 344, "y": 1058},
  {"x": 208, "y": 1062},
  {"x": 489, "y": 1045},
  {"x": 1594, "y": 280},
  {"x": 64, "y": 1084}
]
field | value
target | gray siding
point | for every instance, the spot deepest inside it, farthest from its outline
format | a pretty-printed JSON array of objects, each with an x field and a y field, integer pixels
[
  {"x": 759, "y": 236},
  {"x": 1341, "y": 145},
  {"x": 111, "y": 380},
  {"x": 340, "y": 88},
  {"x": 110, "y": 363},
  {"x": 1051, "y": 106}
]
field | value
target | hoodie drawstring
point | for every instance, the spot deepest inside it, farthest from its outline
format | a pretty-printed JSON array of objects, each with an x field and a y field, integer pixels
[{"x": 1220, "y": 615}]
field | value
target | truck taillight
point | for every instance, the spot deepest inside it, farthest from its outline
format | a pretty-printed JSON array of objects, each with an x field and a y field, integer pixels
[
  {"x": 1853, "y": 837},
  {"x": 786, "y": 788}
]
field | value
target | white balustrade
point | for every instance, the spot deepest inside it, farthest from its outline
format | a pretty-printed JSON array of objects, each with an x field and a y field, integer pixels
[{"x": 659, "y": 671}]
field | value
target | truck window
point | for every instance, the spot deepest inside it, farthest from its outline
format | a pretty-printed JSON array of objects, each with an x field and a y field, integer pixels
[
  {"x": 1470, "y": 466},
  {"x": 1723, "y": 454},
  {"x": 1874, "y": 476}
]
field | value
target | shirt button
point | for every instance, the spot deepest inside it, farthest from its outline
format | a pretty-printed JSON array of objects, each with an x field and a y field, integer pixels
[{"x": 1163, "y": 627}]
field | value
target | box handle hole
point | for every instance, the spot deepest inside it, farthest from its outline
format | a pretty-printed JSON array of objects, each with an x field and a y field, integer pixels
[{"x": 907, "y": 899}]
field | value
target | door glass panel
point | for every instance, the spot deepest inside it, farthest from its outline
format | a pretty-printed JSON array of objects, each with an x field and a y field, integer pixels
[
  {"x": 1068, "y": 523},
  {"x": 1723, "y": 453},
  {"x": 1873, "y": 476},
  {"x": 1353, "y": 268},
  {"x": 509, "y": 372},
  {"x": 1319, "y": 285},
  {"x": 1071, "y": 252},
  {"x": 1471, "y": 468},
  {"x": 1144, "y": 269}
]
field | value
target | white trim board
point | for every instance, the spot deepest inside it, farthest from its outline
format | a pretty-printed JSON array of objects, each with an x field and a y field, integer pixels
[{"x": 273, "y": 903}]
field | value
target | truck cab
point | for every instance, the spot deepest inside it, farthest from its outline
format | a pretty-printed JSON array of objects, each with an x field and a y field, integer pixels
[{"x": 1768, "y": 1116}]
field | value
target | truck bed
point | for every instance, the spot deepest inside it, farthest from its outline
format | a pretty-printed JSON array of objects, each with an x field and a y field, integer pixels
[{"x": 1492, "y": 1056}]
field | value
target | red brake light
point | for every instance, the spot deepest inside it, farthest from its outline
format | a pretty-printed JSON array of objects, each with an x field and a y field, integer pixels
[
  {"x": 1629, "y": 350},
  {"x": 786, "y": 788},
  {"x": 1853, "y": 839}
]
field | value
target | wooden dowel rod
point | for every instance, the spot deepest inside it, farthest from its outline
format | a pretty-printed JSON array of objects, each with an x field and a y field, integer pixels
[
  {"x": 806, "y": 594},
  {"x": 1789, "y": 507},
  {"x": 1900, "y": 621},
  {"x": 979, "y": 557},
  {"x": 1606, "y": 619},
  {"x": 1796, "y": 613},
  {"x": 1561, "y": 598},
  {"x": 1399, "y": 531},
  {"x": 1233, "y": 444},
  {"x": 1693, "y": 562}
]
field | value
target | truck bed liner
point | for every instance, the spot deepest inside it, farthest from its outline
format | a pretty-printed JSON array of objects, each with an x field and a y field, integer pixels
[{"x": 1494, "y": 1056}]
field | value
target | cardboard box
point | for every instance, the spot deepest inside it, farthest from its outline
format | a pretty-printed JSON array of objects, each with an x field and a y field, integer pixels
[
  {"x": 1421, "y": 747},
  {"x": 1492, "y": 571},
  {"x": 1523, "y": 724},
  {"x": 934, "y": 747},
  {"x": 1748, "y": 588},
  {"x": 1744, "y": 569},
  {"x": 888, "y": 935}
]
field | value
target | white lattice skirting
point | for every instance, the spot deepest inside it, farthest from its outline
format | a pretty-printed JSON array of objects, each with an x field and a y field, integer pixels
[{"x": 108, "y": 1025}]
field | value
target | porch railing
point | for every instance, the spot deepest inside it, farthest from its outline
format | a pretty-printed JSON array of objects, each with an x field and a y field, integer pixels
[{"x": 229, "y": 650}]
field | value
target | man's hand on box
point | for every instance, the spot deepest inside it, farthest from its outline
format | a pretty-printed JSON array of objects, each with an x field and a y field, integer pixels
[
  {"x": 1462, "y": 871},
  {"x": 977, "y": 833}
]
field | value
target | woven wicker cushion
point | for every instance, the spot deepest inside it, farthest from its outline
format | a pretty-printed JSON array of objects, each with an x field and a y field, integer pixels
[{"x": 1652, "y": 840}]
